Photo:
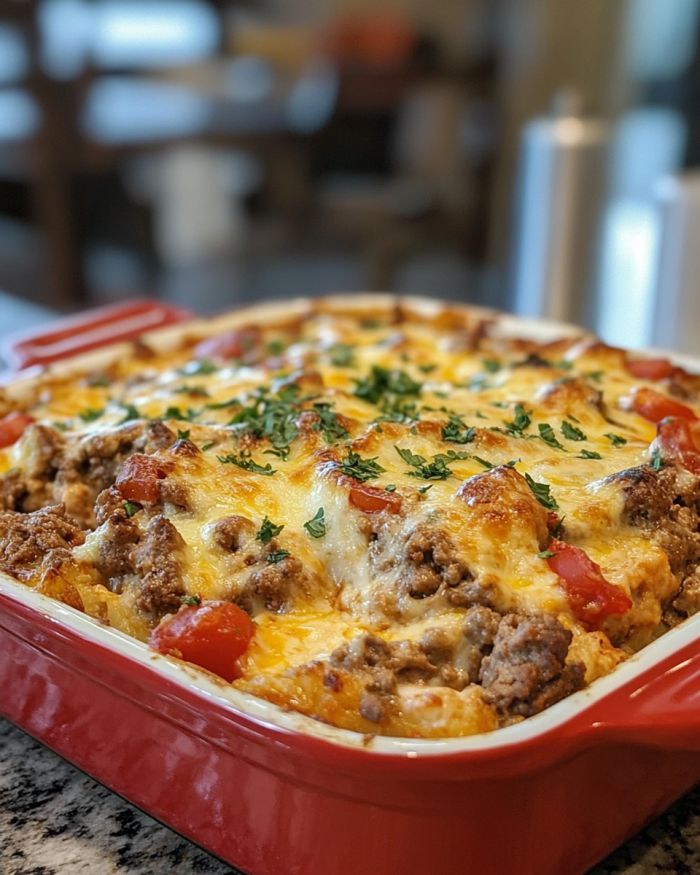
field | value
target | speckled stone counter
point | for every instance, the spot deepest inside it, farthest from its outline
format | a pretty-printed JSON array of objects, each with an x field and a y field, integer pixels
[{"x": 54, "y": 820}]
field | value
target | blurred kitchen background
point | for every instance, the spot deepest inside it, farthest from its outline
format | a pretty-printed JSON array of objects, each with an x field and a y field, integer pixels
[{"x": 527, "y": 154}]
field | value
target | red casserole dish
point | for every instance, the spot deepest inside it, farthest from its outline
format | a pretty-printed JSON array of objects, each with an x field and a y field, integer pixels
[{"x": 270, "y": 791}]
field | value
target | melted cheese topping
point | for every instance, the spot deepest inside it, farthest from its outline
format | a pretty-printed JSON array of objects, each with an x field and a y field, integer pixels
[{"x": 472, "y": 417}]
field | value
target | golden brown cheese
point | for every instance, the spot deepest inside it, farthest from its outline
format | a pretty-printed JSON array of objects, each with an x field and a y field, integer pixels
[{"x": 479, "y": 450}]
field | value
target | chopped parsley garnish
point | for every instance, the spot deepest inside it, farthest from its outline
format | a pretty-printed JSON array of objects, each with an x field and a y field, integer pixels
[
  {"x": 520, "y": 422},
  {"x": 456, "y": 432},
  {"x": 99, "y": 381},
  {"x": 423, "y": 489},
  {"x": 427, "y": 368},
  {"x": 542, "y": 493},
  {"x": 183, "y": 434},
  {"x": 194, "y": 391},
  {"x": 90, "y": 414},
  {"x": 342, "y": 355},
  {"x": 268, "y": 530},
  {"x": 390, "y": 487},
  {"x": 589, "y": 454},
  {"x": 492, "y": 365},
  {"x": 276, "y": 346},
  {"x": 176, "y": 413},
  {"x": 545, "y": 554},
  {"x": 130, "y": 413},
  {"x": 383, "y": 386},
  {"x": 272, "y": 417},
  {"x": 597, "y": 376},
  {"x": 277, "y": 556},
  {"x": 198, "y": 368},
  {"x": 207, "y": 446},
  {"x": 192, "y": 601},
  {"x": 616, "y": 439},
  {"x": 329, "y": 423},
  {"x": 247, "y": 463},
  {"x": 361, "y": 469},
  {"x": 547, "y": 434},
  {"x": 130, "y": 508},
  {"x": 436, "y": 469},
  {"x": 657, "y": 462},
  {"x": 572, "y": 433},
  {"x": 316, "y": 526}
]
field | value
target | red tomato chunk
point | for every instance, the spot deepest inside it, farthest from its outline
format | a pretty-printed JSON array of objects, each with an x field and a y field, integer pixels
[
  {"x": 372, "y": 499},
  {"x": 591, "y": 597},
  {"x": 679, "y": 440},
  {"x": 12, "y": 427},
  {"x": 138, "y": 478},
  {"x": 652, "y": 369},
  {"x": 213, "y": 635},
  {"x": 654, "y": 406}
]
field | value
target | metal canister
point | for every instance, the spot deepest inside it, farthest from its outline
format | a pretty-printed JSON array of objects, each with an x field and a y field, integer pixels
[
  {"x": 560, "y": 204},
  {"x": 676, "y": 307}
]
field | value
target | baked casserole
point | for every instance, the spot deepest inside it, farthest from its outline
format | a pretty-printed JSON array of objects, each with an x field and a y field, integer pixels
[{"x": 396, "y": 519}]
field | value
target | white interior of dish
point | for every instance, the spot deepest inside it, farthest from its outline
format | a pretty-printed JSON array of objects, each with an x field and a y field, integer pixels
[{"x": 208, "y": 687}]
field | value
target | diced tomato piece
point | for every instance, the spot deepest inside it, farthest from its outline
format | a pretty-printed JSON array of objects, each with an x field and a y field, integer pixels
[
  {"x": 679, "y": 440},
  {"x": 240, "y": 343},
  {"x": 591, "y": 596},
  {"x": 651, "y": 369},
  {"x": 654, "y": 406},
  {"x": 213, "y": 635},
  {"x": 138, "y": 478},
  {"x": 12, "y": 427},
  {"x": 373, "y": 499}
]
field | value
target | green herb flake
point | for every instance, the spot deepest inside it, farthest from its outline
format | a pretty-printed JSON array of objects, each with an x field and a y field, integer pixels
[
  {"x": 183, "y": 435},
  {"x": 361, "y": 469},
  {"x": 193, "y": 391},
  {"x": 277, "y": 556},
  {"x": 198, "y": 368},
  {"x": 385, "y": 386},
  {"x": 130, "y": 413},
  {"x": 547, "y": 434},
  {"x": 423, "y": 489},
  {"x": 657, "y": 462},
  {"x": 572, "y": 433},
  {"x": 275, "y": 346},
  {"x": 589, "y": 454},
  {"x": 542, "y": 493},
  {"x": 492, "y": 366},
  {"x": 98, "y": 381},
  {"x": 192, "y": 601},
  {"x": 520, "y": 422},
  {"x": 329, "y": 423},
  {"x": 545, "y": 554},
  {"x": 596, "y": 376},
  {"x": 207, "y": 446},
  {"x": 247, "y": 464},
  {"x": 390, "y": 487},
  {"x": 130, "y": 508},
  {"x": 90, "y": 414},
  {"x": 616, "y": 439},
  {"x": 268, "y": 530},
  {"x": 316, "y": 526},
  {"x": 427, "y": 368},
  {"x": 456, "y": 432},
  {"x": 342, "y": 355},
  {"x": 436, "y": 469}
]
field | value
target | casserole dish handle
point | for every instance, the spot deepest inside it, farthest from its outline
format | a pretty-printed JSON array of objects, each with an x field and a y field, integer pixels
[
  {"x": 88, "y": 331},
  {"x": 661, "y": 709}
]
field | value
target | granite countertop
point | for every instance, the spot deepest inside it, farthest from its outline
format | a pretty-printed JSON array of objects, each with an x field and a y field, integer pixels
[{"x": 54, "y": 820}]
